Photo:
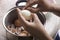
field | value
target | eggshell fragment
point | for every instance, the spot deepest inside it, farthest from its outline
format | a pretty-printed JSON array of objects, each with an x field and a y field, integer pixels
[{"x": 17, "y": 23}]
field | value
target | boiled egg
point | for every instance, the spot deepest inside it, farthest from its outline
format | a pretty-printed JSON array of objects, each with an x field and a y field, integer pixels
[{"x": 26, "y": 14}]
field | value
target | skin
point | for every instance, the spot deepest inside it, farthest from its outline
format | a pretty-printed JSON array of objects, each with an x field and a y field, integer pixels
[
  {"x": 35, "y": 28},
  {"x": 43, "y": 6}
]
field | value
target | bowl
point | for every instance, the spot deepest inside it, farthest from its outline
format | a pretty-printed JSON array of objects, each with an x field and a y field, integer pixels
[
  {"x": 11, "y": 16},
  {"x": 9, "y": 19}
]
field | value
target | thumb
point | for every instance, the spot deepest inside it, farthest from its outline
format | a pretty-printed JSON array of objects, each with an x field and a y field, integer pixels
[{"x": 21, "y": 18}]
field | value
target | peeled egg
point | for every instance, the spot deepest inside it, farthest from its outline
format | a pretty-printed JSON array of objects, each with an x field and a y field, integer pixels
[{"x": 26, "y": 14}]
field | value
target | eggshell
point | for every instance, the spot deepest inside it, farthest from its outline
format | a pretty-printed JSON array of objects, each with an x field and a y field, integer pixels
[{"x": 17, "y": 23}]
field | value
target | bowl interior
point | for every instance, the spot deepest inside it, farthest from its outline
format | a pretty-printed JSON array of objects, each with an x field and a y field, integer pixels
[{"x": 12, "y": 16}]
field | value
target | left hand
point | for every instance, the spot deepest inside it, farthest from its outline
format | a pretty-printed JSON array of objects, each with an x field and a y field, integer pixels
[{"x": 35, "y": 28}]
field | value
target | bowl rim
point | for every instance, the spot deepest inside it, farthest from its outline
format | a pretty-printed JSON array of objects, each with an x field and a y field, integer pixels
[
  {"x": 4, "y": 23},
  {"x": 7, "y": 14},
  {"x": 7, "y": 28}
]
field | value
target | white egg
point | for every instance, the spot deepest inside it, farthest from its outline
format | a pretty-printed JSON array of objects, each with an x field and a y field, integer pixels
[{"x": 26, "y": 14}]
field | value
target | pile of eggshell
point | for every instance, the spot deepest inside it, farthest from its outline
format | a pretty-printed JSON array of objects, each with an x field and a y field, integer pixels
[{"x": 17, "y": 27}]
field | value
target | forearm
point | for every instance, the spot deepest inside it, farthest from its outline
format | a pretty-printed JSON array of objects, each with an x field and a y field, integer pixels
[
  {"x": 40, "y": 33},
  {"x": 43, "y": 35},
  {"x": 52, "y": 7},
  {"x": 56, "y": 9}
]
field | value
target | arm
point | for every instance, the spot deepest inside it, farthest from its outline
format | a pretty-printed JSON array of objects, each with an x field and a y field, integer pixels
[
  {"x": 44, "y": 5},
  {"x": 56, "y": 9},
  {"x": 35, "y": 28},
  {"x": 40, "y": 33},
  {"x": 52, "y": 7}
]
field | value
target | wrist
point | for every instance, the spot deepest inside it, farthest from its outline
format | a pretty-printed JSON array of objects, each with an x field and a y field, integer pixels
[
  {"x": 54, "y": 8},
  {"x": 51, "y": 8}
]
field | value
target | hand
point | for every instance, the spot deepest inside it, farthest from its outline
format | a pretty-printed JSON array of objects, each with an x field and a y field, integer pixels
[
  {"x": 36, "y": 23},
  {"x": 35, "y": 28},
  {"x": 43, "y": 5}
]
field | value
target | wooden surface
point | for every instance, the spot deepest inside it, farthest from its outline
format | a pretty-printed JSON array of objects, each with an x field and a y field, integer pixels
[{"x": 5, "y": 5}]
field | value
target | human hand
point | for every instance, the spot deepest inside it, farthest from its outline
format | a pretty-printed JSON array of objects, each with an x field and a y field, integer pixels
[
  {"x": 36, "y": 22},
  {"x": 43, "y": 5},
  {"x": 34, "y": 27}
]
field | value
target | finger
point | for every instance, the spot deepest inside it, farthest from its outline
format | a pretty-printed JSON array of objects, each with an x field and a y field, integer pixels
[
  {"x": 29, "y": 4},
  {"x": 21, "y": 18},
  {"x": 34, "y": 10},
  {"x": 35, "y": 17}
]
